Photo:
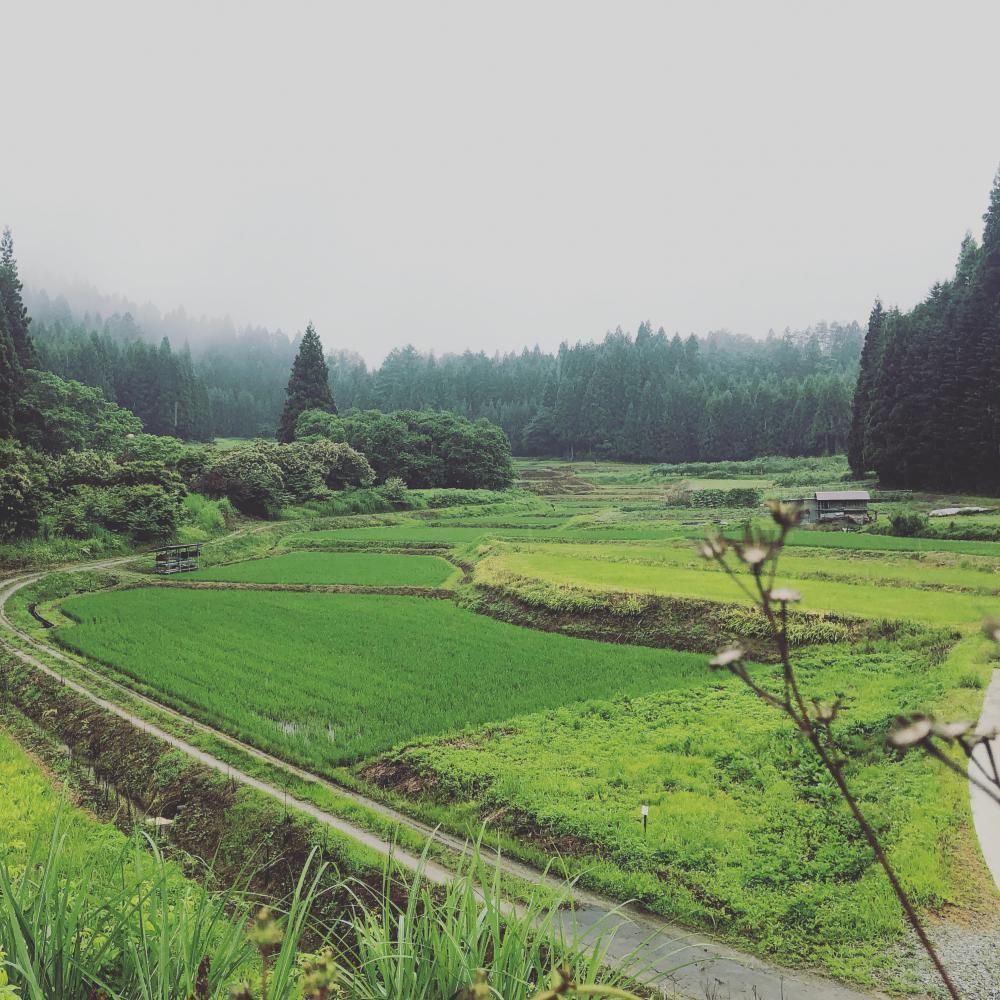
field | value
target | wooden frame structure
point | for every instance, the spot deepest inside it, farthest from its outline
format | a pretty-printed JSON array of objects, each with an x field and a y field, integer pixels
[{"x": 177, "y": 558}]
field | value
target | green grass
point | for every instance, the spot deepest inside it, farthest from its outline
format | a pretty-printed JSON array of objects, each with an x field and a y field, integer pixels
[
  {"x": 912, "y": 569},
  {"x": 329, "y": 678},
  {"x": 29, "y": 807},
  {"x": 409, "y": 533},
  {"x": 746, "y": 836},
  {"x": 374, "y": 569},
  {"x": 939, "y": 608},
  {"x": 888, "y": 543}
]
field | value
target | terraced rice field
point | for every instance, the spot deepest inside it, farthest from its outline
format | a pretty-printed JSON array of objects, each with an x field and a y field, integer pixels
[
  {"x": 331, "y": 678},
  {"x": 889, "y": 599},
  {"x": 555, "y": 741},
  {"x": 371, "y": 569}
]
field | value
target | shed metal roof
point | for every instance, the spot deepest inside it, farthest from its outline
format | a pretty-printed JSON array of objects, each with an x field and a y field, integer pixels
[{"x": 843, "y": 495}]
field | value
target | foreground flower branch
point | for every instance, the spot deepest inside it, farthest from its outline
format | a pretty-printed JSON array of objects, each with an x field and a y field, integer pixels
[{"x": 758, "y": 553}]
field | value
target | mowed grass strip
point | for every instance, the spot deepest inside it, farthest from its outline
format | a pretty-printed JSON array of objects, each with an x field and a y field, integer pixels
[
  {"x": 371, "y": 569},
  {"x": 938, "y": 608},
  {"x": 325, "y": 679}
]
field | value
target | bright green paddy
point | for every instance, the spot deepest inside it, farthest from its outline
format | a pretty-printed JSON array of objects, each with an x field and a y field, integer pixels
[{"x": 373, "y": 569}]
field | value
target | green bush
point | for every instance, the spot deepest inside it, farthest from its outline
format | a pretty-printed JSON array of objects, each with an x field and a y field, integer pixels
[
  {"x": 906, "y": 524},
  {"x": 262, "y": 477},
  {"x": 21, "y": 499},
  {"x": 737, "y": 497},
  {"x": 394, "y": 491}
]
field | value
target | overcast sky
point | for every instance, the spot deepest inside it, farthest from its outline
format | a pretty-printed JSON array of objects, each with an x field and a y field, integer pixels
[{"x": 494, "y": 175}]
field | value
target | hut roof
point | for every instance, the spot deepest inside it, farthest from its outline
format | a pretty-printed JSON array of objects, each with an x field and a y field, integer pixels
[{"x": 843, "y": 495}]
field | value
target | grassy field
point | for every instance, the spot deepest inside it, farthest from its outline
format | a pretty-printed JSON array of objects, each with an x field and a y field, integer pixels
[
  {"x": 374, "y": 569},
  {"x": 555, "y": 741},
  {"x": 746, "y": 836},
  {"x": 336, "y": 677},
  {"x": 938, "y": 570},
  {"x": 864, "y": 600},
  {"x": 29, "y": 808}
]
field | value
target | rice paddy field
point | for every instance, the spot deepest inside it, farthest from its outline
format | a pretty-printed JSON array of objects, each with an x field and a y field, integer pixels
[
  {"x": 336, "y": 677},
  {"x": 875, "y": 589},
  {"x": 375, "y": 569},
  {"x": 487, "y": 707}
]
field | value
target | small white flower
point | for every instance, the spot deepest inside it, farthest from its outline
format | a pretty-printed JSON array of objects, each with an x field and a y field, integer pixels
[
  {"x": 726, "y": 657},
  {"x": 754, "y": 554},
  {"x": 786, "y": 595},
  {"x": 911, "y": 734},
  {"x": 951, "y": 730}
]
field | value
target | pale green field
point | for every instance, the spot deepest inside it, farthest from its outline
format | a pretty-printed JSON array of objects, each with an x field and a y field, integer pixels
[
  {"x": 371, "y": 569},
  {"x": 930, "y": 570},
  {"x": 863, "y": 600}
]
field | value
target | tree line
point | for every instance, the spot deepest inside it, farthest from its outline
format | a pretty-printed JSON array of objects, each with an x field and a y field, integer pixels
[
  {"x": 647, "y": 397},
  {"x": 927, "y": 403}
]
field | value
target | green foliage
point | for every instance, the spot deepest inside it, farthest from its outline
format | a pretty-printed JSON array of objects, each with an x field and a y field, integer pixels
[
  {"x": 248, "y": 477},
  {"x": 907, "y": 524},
  {"x": 394, "y": 491},
  {"x": 736, "y": 497},
  {"x": 745, "y": 836},
  {"x": 209, "y": 516},
  {"x": 830, "y": 587},
  {"x": 314, "y": 424},
  {"x": 431, "y": 448},
  {"x": 308, "y": 385},
  {"x": 57, "y": 416},
  {"x": 16, "y": 319},
  {"x": 261, "y": 477},
  {"x": 21, "y": 499},
  {"x": 924, "y": 414},
  {"x": 436, "y": 942},
  {"x": 143, "y": 511},
  {"x": 82, "y": 908},
  {"x": 341, "y": 467},
  {"x": 85, "y": 912},
  {"x": 10, "y": 375}
]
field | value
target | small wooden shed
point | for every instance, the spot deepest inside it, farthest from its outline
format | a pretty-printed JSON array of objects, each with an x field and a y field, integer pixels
[
  {"x": 827, "y": 506},
  {"x": 177, "y": 558}
]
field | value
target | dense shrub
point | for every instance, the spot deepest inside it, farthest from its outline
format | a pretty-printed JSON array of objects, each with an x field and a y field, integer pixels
[
  {"x": 143, "y": 511},
  {"x": 315, "y": 425},
  {"x": 423, "y": 448},
  {"x": 262, "y": 477},
  {"x": 737, "y": 497},
  {"x": 56, "y": 416},
  {"x": 394, "y": 491},
  {"x": 20, "y": 500},
  {"x": 907, "y": 524},
  {"x": 248, "y": 476}
]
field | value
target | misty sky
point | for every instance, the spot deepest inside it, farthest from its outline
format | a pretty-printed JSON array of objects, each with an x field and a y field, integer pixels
[{"x": 493, "y": 175}]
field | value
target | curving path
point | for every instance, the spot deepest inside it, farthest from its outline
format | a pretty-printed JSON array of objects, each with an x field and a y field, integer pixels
[{"x": 643, "y": 940}]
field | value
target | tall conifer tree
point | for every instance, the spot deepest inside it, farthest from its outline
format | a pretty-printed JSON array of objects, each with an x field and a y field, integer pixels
[
  {"x": 10, "y": 376},
  {"x": 308, "y": 385},
  {"x": 14, "y": 308}
]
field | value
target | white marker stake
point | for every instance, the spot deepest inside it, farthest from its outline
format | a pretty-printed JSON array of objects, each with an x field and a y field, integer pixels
[{"x": 645, "y": 818}]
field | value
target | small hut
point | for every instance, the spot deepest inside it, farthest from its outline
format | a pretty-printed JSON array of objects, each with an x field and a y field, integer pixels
[
  {"x": 828, "y": 506},
  {"x": 177, "y": 558}
]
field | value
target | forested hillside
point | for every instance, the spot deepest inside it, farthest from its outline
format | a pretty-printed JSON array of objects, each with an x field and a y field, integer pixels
[
  {"x": 644, "y": 398},
  {"x": 927, "y": 405},
  {"x": 647, "y": 397}
]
